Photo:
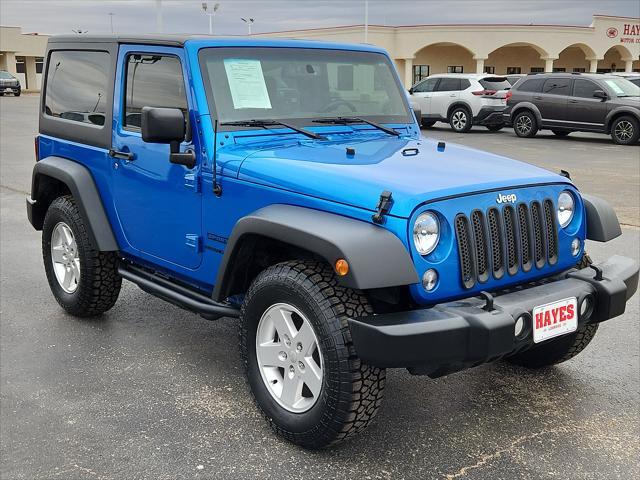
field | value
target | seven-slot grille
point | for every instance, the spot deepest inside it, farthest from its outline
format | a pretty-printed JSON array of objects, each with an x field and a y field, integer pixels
[{"x": 506, "y": 240}]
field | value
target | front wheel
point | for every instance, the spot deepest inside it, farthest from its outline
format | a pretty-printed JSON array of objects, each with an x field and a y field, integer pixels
[
  {"x": 83, "y": 280},
  {"x": 525, "y": 124},
  {"x": 301, "y": 365},
  {"x": 460, "y": 120},
  {"x": 625, "y": 130},
  {"x": 16, "y": 94}
]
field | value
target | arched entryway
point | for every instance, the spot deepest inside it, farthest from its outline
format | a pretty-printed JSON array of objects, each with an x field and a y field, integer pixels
[
  {"x": 444, "y": 57},
  {"x": 516, "y": 58},
  {"x": 615, "y": 60},
  {"x": 574, "y": 58}
]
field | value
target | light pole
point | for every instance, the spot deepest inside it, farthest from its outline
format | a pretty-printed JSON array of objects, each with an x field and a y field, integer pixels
[
  {"x": 111, "y": 21},
  {"x": 249, "y": 22},
  {"x": 210, "y": 15},
  {"x": 366, "y": 21}
]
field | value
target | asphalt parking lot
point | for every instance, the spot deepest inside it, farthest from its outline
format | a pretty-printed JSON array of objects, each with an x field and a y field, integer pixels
[{"x": 151, "y": 391}]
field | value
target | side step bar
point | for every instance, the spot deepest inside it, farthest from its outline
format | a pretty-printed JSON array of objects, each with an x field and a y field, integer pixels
[{"x": 177, "y": 294}]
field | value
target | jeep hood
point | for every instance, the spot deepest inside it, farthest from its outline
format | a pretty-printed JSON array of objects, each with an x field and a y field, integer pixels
[{"x": 413, "y": 170}]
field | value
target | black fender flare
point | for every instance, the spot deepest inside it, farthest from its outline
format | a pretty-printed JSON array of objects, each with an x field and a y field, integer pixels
[
  {"x": 376, "y": 257},
  {"x": 623, "y": 110},
  {"x": 459, "y": 103},
  {"x": 527, "y": 106},
  {"x": 602, "y": 221},
  {"x": 80, "y": 183}
]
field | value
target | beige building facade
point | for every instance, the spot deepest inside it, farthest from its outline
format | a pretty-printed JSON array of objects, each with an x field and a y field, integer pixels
[
  {"x": 608, "y": 44},
  {"x": 22, "y": 56}
]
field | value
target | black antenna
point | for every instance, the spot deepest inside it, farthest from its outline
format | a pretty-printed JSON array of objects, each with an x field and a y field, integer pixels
[{"x": 217, "y": 189}]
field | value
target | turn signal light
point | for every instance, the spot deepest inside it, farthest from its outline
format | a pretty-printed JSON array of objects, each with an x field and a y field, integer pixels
[{"x": 342, "y": 267}]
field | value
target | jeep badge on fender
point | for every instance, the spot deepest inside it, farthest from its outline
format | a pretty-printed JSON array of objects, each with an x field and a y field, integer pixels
[{"x": 293, "y": 207}]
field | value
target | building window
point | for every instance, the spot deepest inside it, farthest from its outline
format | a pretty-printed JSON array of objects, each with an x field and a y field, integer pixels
[
  {"x": 39, "y": 62},
  {"x": 455, "y": 69},
  {"x": 579, "y": 69},
  {"x": 490, "y": 70},
  {"x": 420, "y": 72},
  {"x": 21, "y": 65},
  {"x": 514, "y": 70},
  {"x": 559, "y": 69},
  {"x": 537, "y": 70}
]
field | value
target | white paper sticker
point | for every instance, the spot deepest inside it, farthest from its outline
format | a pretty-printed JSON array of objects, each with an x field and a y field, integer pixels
[{"x": 246, "y": 82}]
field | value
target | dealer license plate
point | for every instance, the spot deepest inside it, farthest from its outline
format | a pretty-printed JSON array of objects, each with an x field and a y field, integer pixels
[{"x": 554, "y": 319}]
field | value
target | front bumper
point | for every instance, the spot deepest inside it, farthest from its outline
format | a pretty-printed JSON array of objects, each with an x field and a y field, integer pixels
[
  {"x": 456, "y": 335},
  {"x": 489, "y": 116}
]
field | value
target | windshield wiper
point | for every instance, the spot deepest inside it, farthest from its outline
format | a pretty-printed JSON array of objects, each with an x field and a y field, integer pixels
[
  {"x": 270, "y": 123},
  {"x": 349, "y": 120}
]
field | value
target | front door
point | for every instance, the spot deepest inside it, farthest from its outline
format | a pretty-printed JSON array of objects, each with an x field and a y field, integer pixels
[
  {"x": 421, "y": 93},
  {"x": 585, "y": 111},
  {"x": 158, "y": 203}
]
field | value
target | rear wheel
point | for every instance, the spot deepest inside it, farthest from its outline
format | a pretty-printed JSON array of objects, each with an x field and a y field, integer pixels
[
  {"x": 83, "y": 280},
  {"x": 561, "y": 133},
  {"x": 525, "y": 124},
  {"x": 625, "y": 130},
  {"x": 301, "y": 365},
  {"x": 460, "y": 120}
]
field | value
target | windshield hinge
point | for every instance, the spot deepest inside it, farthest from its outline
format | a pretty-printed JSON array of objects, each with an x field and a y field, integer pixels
[{"x": 384, "y": 205}]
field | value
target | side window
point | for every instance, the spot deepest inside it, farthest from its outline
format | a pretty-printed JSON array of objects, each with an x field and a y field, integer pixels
[
  {"x": 426, "y": 86},
  {"x": 76, "y": 86},
  {"x": 557, "y": 86},
  {"x": 534, "y": 85},
  {"x": 152, "y": 81},
  {"x": 584, "y": 88},
  {"x": 464, "y": 84},
  {"x": 449, "y": 85}
]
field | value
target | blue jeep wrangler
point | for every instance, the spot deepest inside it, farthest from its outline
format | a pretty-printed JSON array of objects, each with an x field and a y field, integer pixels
[{"x": 286, "y": 183}]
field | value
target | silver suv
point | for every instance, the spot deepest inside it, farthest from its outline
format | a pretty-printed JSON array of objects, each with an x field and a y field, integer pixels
[{"x": 462, "y": 100}]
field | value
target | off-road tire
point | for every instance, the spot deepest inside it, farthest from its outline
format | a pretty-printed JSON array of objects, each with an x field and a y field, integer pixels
[
  {"x": 632, "y": 126},
  {"x": 562, "y": 348},
  {"x": 561, "y": 133},
  {"x": 427, "y": 123},
  {"x": 525, "y": 124},
  {"x": 99, "y": 284},
  {"x": 352, "y": 391},
  {"x": 468, "y": 122}
]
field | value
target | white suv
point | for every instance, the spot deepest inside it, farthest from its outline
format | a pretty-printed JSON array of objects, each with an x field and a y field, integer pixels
[{"x": 462, "y": 100}]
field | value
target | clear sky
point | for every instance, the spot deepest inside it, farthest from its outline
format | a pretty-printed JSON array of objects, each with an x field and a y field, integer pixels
[{"x": 186, "y": 16}]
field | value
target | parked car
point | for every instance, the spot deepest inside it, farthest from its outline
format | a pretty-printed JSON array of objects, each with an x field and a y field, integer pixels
[
  {"x": 343, "y": 242},
  {"x": 462, "y": 100},
  {"x": 633, "y": 77},
  {"x": 9, "y": 84},
  {"x": 570, "y": 102}
]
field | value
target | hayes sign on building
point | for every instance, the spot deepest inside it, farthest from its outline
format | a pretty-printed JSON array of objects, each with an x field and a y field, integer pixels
[{"x": 631, "y": 32}]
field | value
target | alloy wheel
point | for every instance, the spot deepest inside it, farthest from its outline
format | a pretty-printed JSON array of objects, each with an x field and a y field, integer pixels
[
  {"x": 524, "y": 124},
  {"x": 289, "y": 358},
  {"x": 459, "y": 120},
  {"x": 65, "y": 257},
  {"x": 623, "y": 130}
]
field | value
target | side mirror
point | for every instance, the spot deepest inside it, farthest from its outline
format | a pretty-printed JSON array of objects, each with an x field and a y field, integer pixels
[
  {"x": 166, "y": 125},
  {"x": 600, "y": 94},
  {"x": 411, "y": 91}
]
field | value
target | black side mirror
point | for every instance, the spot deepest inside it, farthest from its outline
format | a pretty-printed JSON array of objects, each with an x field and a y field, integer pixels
[
  {"x": 166, "y": 125},
  {"x": 411, "y": 91},
  {"x": 600, "y": 94}
]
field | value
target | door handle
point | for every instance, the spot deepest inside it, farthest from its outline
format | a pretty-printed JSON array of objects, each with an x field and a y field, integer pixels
[
  {"x": 452, "y": 95},
  {"x": 121, "y": 155},
  {"x": 537, "y": 98},
  {"x": 573, "y": 101}
]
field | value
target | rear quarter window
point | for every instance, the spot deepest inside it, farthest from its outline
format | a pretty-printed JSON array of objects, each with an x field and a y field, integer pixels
[{"x": 76, "y": 87}]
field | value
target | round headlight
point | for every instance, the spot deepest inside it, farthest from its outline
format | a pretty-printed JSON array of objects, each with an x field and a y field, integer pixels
[
  {"x": 566, "y": 207},
  {"x": 426, "y": 233}
]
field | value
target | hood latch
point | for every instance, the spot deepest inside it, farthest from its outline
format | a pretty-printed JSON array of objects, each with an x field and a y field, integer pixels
[{"x": 384, "y": 205}]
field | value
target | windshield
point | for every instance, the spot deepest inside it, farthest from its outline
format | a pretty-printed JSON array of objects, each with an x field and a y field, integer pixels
[
  {"x": 301, "y": 84},
  {"x": 6, "y": 75},
  {"x": 622, "y": 87}
]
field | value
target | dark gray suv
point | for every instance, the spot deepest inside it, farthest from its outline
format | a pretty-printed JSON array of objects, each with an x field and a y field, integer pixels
[{"x": 565, "y": 103}]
